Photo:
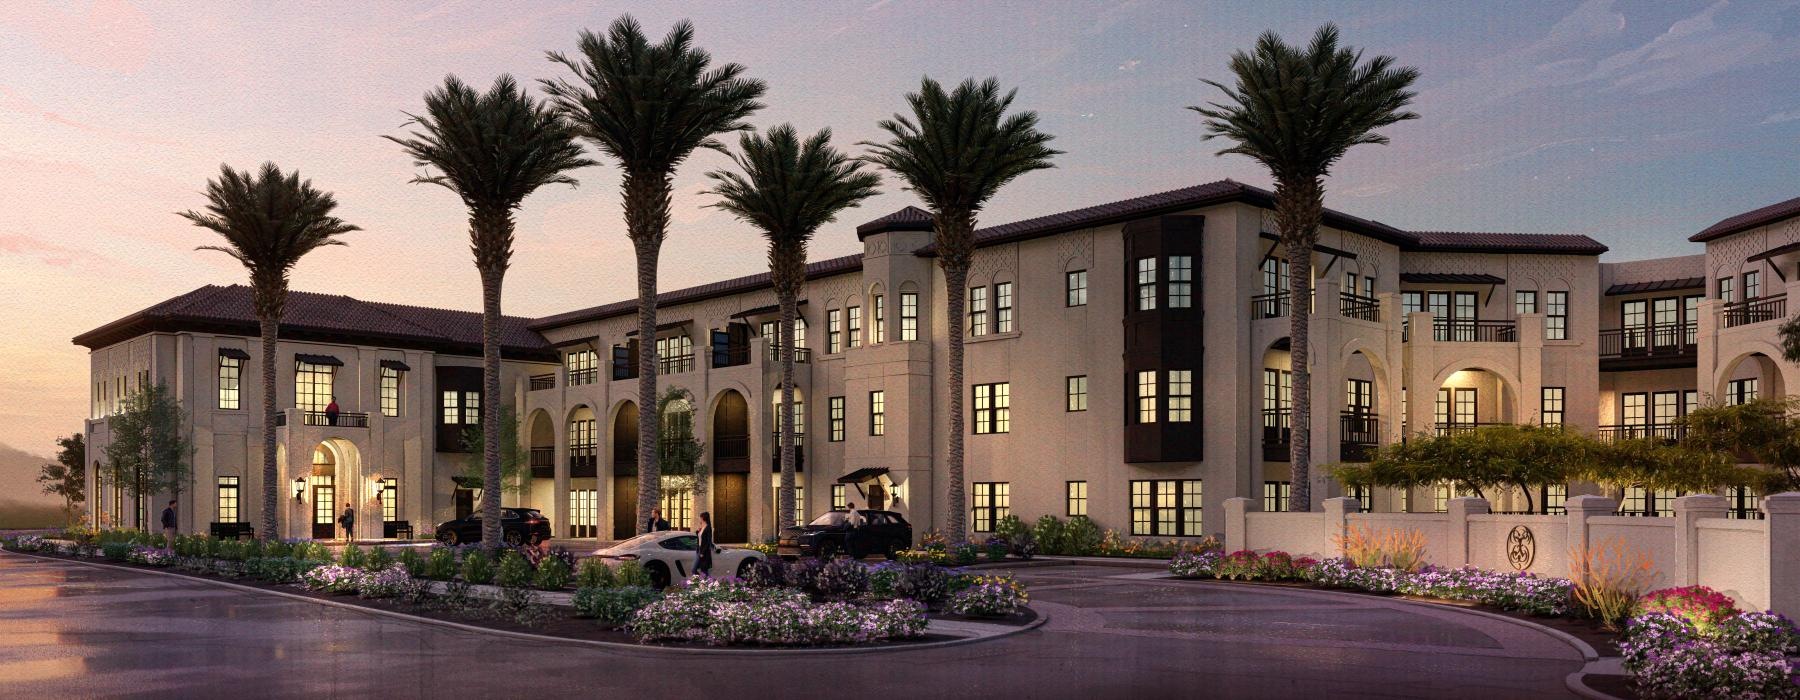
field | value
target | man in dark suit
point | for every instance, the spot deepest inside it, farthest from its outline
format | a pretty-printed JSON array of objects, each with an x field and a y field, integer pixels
[
  {"x": 704, "y": 564},
  {"x": 656, "y": 522}
]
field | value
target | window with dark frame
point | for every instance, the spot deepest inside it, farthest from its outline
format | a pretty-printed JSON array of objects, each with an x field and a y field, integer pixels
[
  {"x": 1752, "y": 285},
  {"x": 840, "y": 497},
  {"x": 228, "y": 499},
  {"x": 977, "y": 311},
  {"x": 312, "y": 385},
  {"x": 231, "y": 373},
  {"x": 1725, "y": 290},
  {"x": 993, "y": 408},
  {"x": 390, "y": 391},
  {"x": 1550, "y": 406},
  {"x": 1003, "y": 307},
  {"x": 1524, "y": 301},
  {"x": 878, "y": 413},
  {"x": 909, "y": 316},
  {"x": 854, "y": 317},
  {"x": 879, "y": 335},
  {"x": 1275, "y": 496},
  {"x": 1146, "y": 396},
  {"x": 1166, "y": 507},
  {"x": 1076, "y": 285},
  {"x": 834, "y": 418},
  {"x": 1181, "y": 281},
  {"x": 1740, "y": 391},
  {"x": 1556, "y": 315},
  {"x": 1076, "y": 392},
  {"x": 834, "y": 331},
  {"x": 582, "y": 367},
  {"x": 993, "y": 502},
  {"x": 390, "y": 500},
  {"x": 1146, "y": 284},
  {"x": 1075, "y": 499},
  {"x": 1181, "y": 396}
]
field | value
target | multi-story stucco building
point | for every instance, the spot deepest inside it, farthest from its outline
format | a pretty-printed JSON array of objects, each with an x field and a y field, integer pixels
[{"x": 1127, "y": 361}]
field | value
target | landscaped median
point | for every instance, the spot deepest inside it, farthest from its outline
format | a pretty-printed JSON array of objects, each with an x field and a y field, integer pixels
[{"x": 806, "y": 604}]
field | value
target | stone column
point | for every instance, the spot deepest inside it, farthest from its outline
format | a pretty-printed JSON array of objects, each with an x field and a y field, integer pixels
[
  {"x": 1580, "y": 509},
  {"x": 1336, "y": 522},
  {"x": 1235, "y": 527},
  {"x": 1783, "y": 511},
  {"x": 1459, "y": 510},
  {"x": 1688, "y": 511}
]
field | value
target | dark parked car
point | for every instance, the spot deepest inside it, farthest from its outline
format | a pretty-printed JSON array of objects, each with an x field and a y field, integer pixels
[
  {"x": 882, "y": 532},
  {"x": 517, "y": 526}
]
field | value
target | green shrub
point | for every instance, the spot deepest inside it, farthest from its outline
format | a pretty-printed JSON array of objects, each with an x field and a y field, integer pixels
[
  {"x": 513, "y": 571},
  {"x": 379, "y": 559},
  {"x": 1082, "y": 537},
  {"x": 1009, "y": 527},
  {"x": 277, "y": 550},
  {"x": 595, "y": 574},
  {"x": 254, "y": 549},
  {"x": 230, "y": 550},
  {"x": 632, "y": 573},
  {"x": 352, "y": 558},
  {"x": 1051, "y": 534},
  {"x": 612, "y": 606},
  {"x": 413, "y": 561},
  {"x": 477, "y": 567},
  {"x": 116, "y": 551},
  {"x": 440, "y": 565},
  {"x": 552, "y": 574},
  {"x": 965, "y": 554}
]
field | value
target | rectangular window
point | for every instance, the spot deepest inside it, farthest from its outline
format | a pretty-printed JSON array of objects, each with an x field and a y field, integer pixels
[
  {"x": 1631, "y": 412},
  {"x": 1076, "y": 390},
  {"x": 834, "y": 331},
  {"x": 1553, "y": 499},
  {"x": 1075, "y": 285},
  {"x": 993, "y": 501},
  {"x": 1146, "y": 396},
  {"x": 390, "y": 392},
  {"x": 1752, "y": 285},
  {"x": 231, "y": 372},
  {"x": 877, "y": 413},
  {"x": 1665, "y": 408},
  {"x": 1166, "y": 507},
  {"x": 1633, "y": 316},
  {"x": 312, "y": 385},
  {"x": 854, "y": 314},
  {"x": 1550, "y": 406},
  {"x": 452, "y": 407},
  {"x": 1146, "y": 284},
  {"x": 582, "y": 366},
  {"x": 1745, "y": 503},
  {"x": 1465, "y": 407},
  {"x": 228, "y": 499},
  {"x": 472, "y": 407},
  {"x": 909, "y": 316},
  {"x": 1181, "y": 396},
  {"x": 1075, "y": 502},
  {"x": 880, "y": 334},
  {"x": 390, "y": 500},
  {"x": 1359, "y": 396},
  {"x": 1725, "y": 292},
  {"x": 1740, "y": 391},
  {"x": 840, "y": 498},
  {"x": 1690, "y": 400},
  {"x": 993, "y": 408},
  {"x": 1275, "y": 496},
  {"x": 977, "y": 311},
  {"x": 1181, "y": 281},
  {"x": 834, "y": 416},
  {"x": 1275, "y": 275},
  {"x": 1556, "y": 315},
  {"x": 1412, "y": 302},
  {"x": 584, "y": 513},
  {"x": 1524, "y": 302},
  {"x": 1003, "y": 307},
  {"x": 676, "y": 353},
  {"x": 799, "y": 501}
]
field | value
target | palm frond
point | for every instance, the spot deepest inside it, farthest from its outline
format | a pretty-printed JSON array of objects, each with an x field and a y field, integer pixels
[{"x": 269, "y": 220}]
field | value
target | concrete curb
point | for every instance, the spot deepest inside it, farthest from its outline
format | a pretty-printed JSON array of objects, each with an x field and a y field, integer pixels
[
  {"x": 642, "y": 649},
  {"x": 1577, "y": 682},
  {"x": 1121, "y": 562}
]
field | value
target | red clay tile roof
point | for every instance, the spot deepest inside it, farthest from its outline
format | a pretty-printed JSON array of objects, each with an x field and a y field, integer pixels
[
  {"x": 326, "y": 318},
  {"x": 1472, "y": 242},
  {"x": 1779, "y": 211},
  {"x": 814, "y": 270},
  {"x": 908, "y": 218}
]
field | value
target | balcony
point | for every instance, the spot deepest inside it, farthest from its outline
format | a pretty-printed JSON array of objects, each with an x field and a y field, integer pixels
[
  {"x": 543, "y": 462},
  {"x": 1657, "y": 346},
  {"x": 732, "y": 355},
  {"x": 1450, "y": 330},
  {"x": 775, "y": 451},
  {"x": 1459, "y": 428},
  {"x": 1360, "y": 434},
  {"x": 583, "y": 462},
  {"x": 1359, "y": 307},
  {"x": 584, "y": 376},
  {"x": 1269, "y": 306},
  {"x": 1665, "y": 432},
  {"x": 674, "y": 364},
  {"x": 801, "y": 355},
  {"x": 1277, "y": 435},
  {"x": 731, "y": 453},
  {"x": 540, "y": 382},
  {"x": 320, "y": 419},
  {"x": 1743, "y": 313}
]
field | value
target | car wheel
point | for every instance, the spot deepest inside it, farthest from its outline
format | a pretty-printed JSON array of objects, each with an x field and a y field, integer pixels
[
  {"x": 828, "y": 550},
  {"x": 744, "y": 568},
  {"x": 447, "y": 537},
  {"x": 659, "y": 575},
  {"x": 536, "y": 539},
  {"x": 514, "y": 539}
]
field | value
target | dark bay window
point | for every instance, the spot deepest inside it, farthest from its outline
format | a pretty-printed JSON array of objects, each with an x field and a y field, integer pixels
[
  {"x": 462, "y": 407},
  {"x": 834, "y": 418},
  {"x": 993, "y": 408},
  {"x": 1166, "y": 508},
  {"x": 1076, "y": 286},
  {"x": 993, "y": 502},
  {"x": 877, "y": 413},
  {"x": 1146, "y": 396},
  {"x": 1146, "y": 284},
  {"x": 1181, "y": 281}
]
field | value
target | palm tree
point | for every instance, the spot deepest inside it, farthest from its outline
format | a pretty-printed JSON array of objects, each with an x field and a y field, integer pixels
[
  {"x": 650, "y": 106},
  {"x": 1296, "y": 111},
  {"x": 789, "y": 189},
  {"x": 493, "y": 151},
  {"x": 955, "y": 151},
  {"x": 269, "y": 220}
]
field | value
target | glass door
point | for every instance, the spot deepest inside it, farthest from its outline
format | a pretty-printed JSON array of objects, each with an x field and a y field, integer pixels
[{"x": 324, "y": 497}]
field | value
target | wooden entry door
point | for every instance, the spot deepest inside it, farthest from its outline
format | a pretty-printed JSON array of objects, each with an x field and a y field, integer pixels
[
  {"x": 731, "y": 507},
  {"x": 877, "y": 497},
  {"x": 324, "y": 498}
]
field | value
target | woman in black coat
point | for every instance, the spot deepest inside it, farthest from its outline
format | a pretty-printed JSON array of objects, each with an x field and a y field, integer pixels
[{"x": 704, "y": 565}]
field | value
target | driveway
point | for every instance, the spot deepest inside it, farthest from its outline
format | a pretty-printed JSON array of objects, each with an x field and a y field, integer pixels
[{"x": 68, "y": 630}]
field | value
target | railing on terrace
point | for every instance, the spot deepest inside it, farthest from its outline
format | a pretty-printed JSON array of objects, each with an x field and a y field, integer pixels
[
  {"x": 1448, "y": 330},
  {"x": 1277, "y": 434},
  {"x": 731, "y": 447},
  {"x": 584, "y": 376},
  {"x": 731, "y": 356},
  {"x": 539, "y": 382},
  {"x": 543, "y": 462},
  {"x": 1359, "y": 307},
  {"x": 584, "y": 462},
  {"x": 1454, "y": 428},
  {"x": 801, "y": 355},
  {"x": 1361, "y": 434},
  {"x": 320, "y": 419},
  {"x": 1273, "y": 305},
  {"x": 1660, "y": 340},
  {"x": 675, "y": 363},
  {"x": 1667, "y": 432},
  {"x": 1750, "y": 311}
]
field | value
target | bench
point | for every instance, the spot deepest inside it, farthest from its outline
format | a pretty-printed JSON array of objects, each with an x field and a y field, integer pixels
[
  {"x": 397, "y": 529},
  {"x": 232, "y": 531}
]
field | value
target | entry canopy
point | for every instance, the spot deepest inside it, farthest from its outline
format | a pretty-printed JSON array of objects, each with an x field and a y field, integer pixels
[{"x": 861, "y": 475}]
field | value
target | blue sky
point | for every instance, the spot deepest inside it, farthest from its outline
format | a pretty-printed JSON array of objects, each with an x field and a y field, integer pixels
[{"x": 1636, "y": 124}]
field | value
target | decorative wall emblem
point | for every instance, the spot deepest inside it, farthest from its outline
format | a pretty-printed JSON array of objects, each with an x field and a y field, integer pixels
[{"x": 1521, "y": 548}]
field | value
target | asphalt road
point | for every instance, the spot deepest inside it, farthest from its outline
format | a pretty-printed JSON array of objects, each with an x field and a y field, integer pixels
[{"x": 68, "y": 630}]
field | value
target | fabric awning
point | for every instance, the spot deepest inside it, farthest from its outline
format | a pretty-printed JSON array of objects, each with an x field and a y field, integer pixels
[
  {"x": 234, "y": 353},
  {"x": 395, "y": 365},
  {"x": 319, "y": 360},
  {"x": 1450, "y": 278},
  {"x": 1656, "y": 286},
  {"x": 861, "y": 475}
]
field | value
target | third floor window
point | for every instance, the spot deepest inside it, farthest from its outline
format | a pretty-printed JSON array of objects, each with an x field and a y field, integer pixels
[
  {"x": 1076, "y": 285},
  {"x": 1146, "y": 284},
  {"x": 909, "y": 316},
  {"x": 1003, "y": 307},
  {"x": 978, "y": 311}
]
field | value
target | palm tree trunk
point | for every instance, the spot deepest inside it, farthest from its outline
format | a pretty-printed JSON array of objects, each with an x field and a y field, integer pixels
[
  {"x": 1299, "y": 204},
  {"x": 785, "y": 503},
  {"x": 647, "y": 200},
  {"x": 955, "y": 244},
  {"x": 269, "y": 326},
  {"x": 492, "y": 277}
]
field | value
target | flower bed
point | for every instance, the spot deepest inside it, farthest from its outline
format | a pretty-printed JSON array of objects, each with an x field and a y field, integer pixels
[
  {"x": 1693, "y": 642},
  {"x": 990, "y": 596},
  {"x": 727, "y": 612},
  {"x": 1521, "y": 592}
]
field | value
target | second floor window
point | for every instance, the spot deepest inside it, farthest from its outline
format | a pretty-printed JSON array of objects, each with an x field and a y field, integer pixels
[
  {"x": 834, "y": 415},
  {"x": 1146, "y": 284},
  {"x": 1752, "y": 285},
  {"x": 1556, "y": 315},
  {"x": 1725, "y": 291},
  {"x": 877, "y": 413},
  {"x": 1524, "y": 301},
  {"x": 675, "y": 354},
  {"x": 834, "y": 331},
  {"x": 583, "y": 367},
  {"x": 1076, "y": 286},
  {"x": 1181, "y": 396},
  {"x": 1181, "y": 281},
  {"x": 1076, "y": 390},
  {"x": 993, "y": 408},
  {"x": 1146, "y": 396},
  {"x": 1551, "y": 408},
  {"x": 312, "y": 385},
  {"x": 854, "y": 315},
  {"x": 390, "y": 391},
  {"x": 462, "y": 407},
  {"x": 909, "y": 316},
  {"x": 231, "y": 372},
  {"x": 1003, "y": 307},
  {"x": 978, "y": 311},
  {"x": 880, "y": 333}
]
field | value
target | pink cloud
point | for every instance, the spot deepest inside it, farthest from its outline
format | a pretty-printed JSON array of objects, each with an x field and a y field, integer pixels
[
  {"x": 21, "y": 245},
  {"x": 111, "y": 35}
]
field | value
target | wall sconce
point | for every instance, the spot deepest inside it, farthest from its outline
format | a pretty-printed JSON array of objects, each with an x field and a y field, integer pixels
[
  {"x": 299, "y": 487},
  {"x": 375, "y": 487}
]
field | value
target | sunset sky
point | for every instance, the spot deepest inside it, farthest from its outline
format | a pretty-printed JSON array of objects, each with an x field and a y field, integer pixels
[{"x": 1635, "y": 124}]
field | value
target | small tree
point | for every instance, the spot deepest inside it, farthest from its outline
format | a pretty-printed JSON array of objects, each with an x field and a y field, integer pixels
[
  {"x": 513, "y": 455},
  {"x": 1767, "y": 430},
  {"x": 1658, "y": 464},
  {"x": 1485, "y": 459},
  {"x": 683, "y": 472},
  {"x": 148, "y": 451},
  {"x": 66, "y": 478}
]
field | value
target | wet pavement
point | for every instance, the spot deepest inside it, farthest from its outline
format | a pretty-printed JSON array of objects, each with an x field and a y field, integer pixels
[{"x": 68, "y": 630}]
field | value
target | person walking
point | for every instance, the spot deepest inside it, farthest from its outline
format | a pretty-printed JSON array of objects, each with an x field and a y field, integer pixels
[
  {"x": 656, "y": 522},
  {"x": 853, "y": 520},
  {"x": 331, "y": 412},
  {"x": 704, "y": 563},
  {"x": 168, "y": 526},
  {"x": 348, "y": 522}
]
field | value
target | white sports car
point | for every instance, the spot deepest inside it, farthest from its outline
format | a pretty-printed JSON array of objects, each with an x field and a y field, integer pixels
[{"x": 671, "y": 555}]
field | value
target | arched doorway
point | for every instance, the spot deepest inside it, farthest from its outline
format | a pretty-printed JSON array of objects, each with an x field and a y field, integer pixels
[
  {"x": 1359, "y": 422},
  {"x": 1276, "y": 389},
  {"x": 1470, "y": 398},
  {"x": 1748, "y": 377},
  {"x": 330, "y": 486},
  {"x": 731, "y": 467},
  {"x": 625, "y": 469},
  {"x": 678, "y": 459},
  {"x": 584, "y": 489}
]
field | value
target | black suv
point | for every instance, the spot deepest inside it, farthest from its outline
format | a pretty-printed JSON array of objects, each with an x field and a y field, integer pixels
[
  {"x": 882, "y": 532},
  {"x": 517, "y": 526}
]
